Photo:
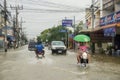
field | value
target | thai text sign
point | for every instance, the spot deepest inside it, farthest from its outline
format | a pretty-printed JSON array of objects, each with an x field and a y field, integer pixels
[
  {"x": 118, "y": 16},
  {"x": 110, "y": 19},
  {"x": 63, "y": 30},
  {"x": 110, "y": 32},
  {"x": 67, "y": 23},
  {"x": 102, "y": 21}
]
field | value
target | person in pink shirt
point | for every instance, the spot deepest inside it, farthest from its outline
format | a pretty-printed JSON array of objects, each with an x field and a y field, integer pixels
[{"x": 82, "y": 48}]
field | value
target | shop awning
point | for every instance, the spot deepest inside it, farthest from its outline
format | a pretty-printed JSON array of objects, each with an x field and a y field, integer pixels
[
  {"x": 109, "y": 26},
  {"x": 106, "y": 26}
]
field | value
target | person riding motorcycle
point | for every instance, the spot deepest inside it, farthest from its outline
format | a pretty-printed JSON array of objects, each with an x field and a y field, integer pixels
[
  {"x": 39, "y": 49},
  {"x": 82, "y": 53}
]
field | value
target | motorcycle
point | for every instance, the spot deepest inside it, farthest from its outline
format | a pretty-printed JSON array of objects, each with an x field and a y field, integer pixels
[
  {"x": 38, "y": 53},
  {"x": 84, "y": 59}
]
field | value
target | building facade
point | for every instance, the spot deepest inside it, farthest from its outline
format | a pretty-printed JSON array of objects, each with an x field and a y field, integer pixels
[
  {"x": 104, "y": 27},
  {"x": 5, "y": 30},
  {"x": 110, "y": 21}
]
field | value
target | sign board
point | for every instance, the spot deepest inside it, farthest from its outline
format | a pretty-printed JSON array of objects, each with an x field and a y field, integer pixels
[
  {"x": 118, "y": 16},
  {"x": 63, "y": 30},
  {"x": 67, "y": 23},
  {"x": 110, "y": 32},
  {"x": 71, "y": 35},
  {"x": 110, "y": 19},
  {"x": 103, "y": 21}
]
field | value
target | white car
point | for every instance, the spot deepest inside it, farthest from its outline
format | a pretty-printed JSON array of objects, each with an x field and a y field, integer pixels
[{"x": 58, "y": 47}]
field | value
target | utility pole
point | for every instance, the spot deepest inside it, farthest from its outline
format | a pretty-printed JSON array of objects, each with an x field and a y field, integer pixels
[
  {"x": 74, "y": 33},
  {"x": 14, "y": 26},
  {"x": 14, "y": 31},
  {"x": 92, "y": 13},
  {"x": 5, "y": 25},
  {"x": 21, "y": 25},
  {"x": 16, "y": 8},
  {"x": 92, "y": 17},
  {"x": 66, "y": 35},
  {"x": 21, "y": 30}
]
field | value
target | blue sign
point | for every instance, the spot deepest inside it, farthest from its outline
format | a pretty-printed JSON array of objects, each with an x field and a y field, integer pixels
[
  {"x": 63, "y": 30},
  {"x": 110, "y": 32},
  {"x": 71, "y": 35},
  {"x": 103, "y": 21},
  {"x": 117, "y": 15},
  {"x": 67, "y": 23},
  {"x": 110, "y": 19}
]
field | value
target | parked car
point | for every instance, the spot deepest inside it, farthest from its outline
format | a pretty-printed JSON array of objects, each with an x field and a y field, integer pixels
[
  {"x": 31, "y": 46},
  {"x": 58, "y": 47}
]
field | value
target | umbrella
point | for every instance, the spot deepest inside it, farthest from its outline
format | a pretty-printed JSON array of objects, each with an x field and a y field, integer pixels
[{"x": 82, "y": 38}]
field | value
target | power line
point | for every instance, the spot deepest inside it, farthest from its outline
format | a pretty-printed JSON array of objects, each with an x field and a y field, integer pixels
[
  {"x": 67, "y": 9},
  {"x": 51, "y": 10},
  {"x": 48, "y": 4},
  {"x": 55, "y": 5},
  {"x": 51, "y": 5}
]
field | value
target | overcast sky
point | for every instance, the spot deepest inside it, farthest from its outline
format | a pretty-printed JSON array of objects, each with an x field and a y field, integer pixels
[{"x": 39, "y": 15}]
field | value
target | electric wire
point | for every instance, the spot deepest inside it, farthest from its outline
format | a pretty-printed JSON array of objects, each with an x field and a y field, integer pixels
[
  {"x": 35, "y": 10},
  {"x": 52, "y": 10},
  {"x": 55, "y": 5},
  {"x": 64, "y": 9}
]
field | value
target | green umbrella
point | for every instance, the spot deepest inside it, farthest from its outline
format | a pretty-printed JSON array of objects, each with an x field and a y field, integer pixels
[{"x": 82, "y": 38}]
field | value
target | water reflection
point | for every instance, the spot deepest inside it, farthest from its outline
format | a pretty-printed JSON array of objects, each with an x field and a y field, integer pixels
[
  {"x": 102, "y": 67},
  {"x": 106, "y": 58}
]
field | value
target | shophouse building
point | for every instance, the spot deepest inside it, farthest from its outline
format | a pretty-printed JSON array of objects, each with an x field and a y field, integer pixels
[
  {"x": 3, "y": 28},
  {"x": 110, "y": 21},
  {"x": 92, "y": 17},
  {"x": 104, "y": 27},
  {"x": 1, "y": 25}
]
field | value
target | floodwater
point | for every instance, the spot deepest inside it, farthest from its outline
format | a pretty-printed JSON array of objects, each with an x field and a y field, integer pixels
[{"x": 22, "y": 64}]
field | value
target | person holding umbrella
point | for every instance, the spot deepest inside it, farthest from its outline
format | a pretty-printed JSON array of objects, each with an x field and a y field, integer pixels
[
  {"x": 83, "y": 48},
  {"x": 80, "y": 52}
]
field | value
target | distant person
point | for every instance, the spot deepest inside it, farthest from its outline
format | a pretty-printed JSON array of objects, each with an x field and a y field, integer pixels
[
  {"x": 39, "y": 49},
  {"x": 6, "y": 45}
]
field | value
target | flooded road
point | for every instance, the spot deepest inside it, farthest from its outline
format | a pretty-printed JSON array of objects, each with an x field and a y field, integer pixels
[{"x": 22, "y": 64}]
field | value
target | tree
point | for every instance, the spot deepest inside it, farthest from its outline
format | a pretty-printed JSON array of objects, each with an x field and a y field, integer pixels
[
  {"x": 79, "y": 27},
  {"x": 53, "y": 34}
]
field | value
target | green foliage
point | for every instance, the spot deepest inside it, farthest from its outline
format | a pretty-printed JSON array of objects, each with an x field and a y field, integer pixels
[
  {"x": 79, "y": 27},
  {"x": 38, "y": 38},
  {"x": 53, "y": 34}
]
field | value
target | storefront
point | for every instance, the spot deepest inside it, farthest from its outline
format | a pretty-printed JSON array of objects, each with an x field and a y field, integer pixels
[
  {"x": 110, "y": 25},
  {"x": 97, "y": 39}
]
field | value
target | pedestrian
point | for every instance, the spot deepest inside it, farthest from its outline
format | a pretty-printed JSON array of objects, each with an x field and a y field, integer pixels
[{"x": 6, "y": 45}]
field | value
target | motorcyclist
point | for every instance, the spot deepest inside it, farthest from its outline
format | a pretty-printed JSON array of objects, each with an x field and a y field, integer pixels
[
  {"x": 82, "y": 49},
  {"x": 39, "y": 49}
]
